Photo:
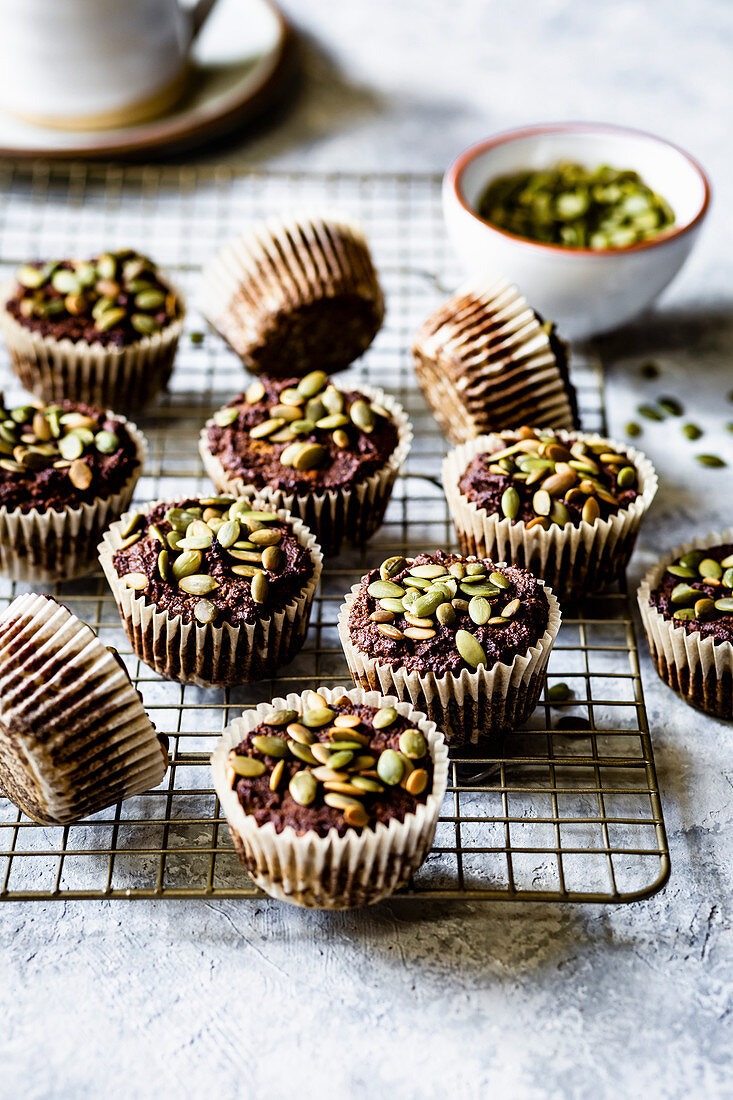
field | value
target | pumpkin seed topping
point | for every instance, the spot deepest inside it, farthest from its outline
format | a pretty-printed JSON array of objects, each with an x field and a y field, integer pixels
[
  {"x": 691, "y": 603},
  {"x": 116, "y": 290}
]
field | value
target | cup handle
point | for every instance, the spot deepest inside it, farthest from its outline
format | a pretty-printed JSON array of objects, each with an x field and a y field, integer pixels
[{"x": 199, "y": 14}]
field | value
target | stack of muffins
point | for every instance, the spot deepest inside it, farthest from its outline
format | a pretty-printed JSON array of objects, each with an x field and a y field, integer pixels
[{"x": 332, "y": 796}]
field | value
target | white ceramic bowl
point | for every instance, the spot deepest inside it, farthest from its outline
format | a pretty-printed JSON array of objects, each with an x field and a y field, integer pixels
[{"x": 584, "y": 292}]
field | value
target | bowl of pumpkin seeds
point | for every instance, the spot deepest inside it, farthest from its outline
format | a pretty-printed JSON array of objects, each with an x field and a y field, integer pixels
[{"x": 591, "y": 221}]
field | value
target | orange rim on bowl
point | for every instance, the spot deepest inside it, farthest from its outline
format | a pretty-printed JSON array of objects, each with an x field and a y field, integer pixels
[{"x": 454, "y": 174}]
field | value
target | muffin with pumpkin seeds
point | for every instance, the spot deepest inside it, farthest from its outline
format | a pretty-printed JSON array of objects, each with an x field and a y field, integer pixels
[
  {"x": 329, "y": 455},
  {"x": 464, "y": 639},
  {"x": 331, "y": 797},
  {"x": 567, "y": 505},
  {"x": 66, "y": 472},
  {"x": 686, "y": 605},
  {"x": 103, "y": 331},
  {"x": 212, "y": 591}
]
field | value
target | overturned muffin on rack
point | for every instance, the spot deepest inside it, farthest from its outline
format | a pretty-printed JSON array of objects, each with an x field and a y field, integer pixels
[
  {"x": 486, "y": 361},
  {"x": 74, "y": 736},
  {"x": 295, "y": 294}
]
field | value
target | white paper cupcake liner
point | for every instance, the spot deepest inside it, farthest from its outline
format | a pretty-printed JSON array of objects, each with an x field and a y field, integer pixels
[
  {"x": 109, "y": 377},
  {"x": 485, "y": 362},
  {"x": 332, "y": 872},
  {"x": 693, "y": 666},
  {"x": 352, "y": 513},
  {"x": 470, "y": 708},
  {"x": 271, "y": 294},
  {"x": 46, "y": 547},
  {"x": 574, "y": 560},
  {"x": 206, "y": 654},
  {"x": 74, "y": 737}
]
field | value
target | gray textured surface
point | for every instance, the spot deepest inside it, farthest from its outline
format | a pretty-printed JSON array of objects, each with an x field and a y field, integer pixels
[{"x": 236, "y": 1000}]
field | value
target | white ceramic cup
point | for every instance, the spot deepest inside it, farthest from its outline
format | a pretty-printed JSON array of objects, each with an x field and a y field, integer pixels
[
  {"x": 585, "y": 292},
  {"x": 92, "y": 64}
]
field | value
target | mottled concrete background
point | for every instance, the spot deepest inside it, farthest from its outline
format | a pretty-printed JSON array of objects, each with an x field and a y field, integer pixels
[{"x": 239, "y": 1000}]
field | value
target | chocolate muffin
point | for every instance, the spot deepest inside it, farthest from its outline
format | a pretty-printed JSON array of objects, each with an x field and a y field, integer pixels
[
  {"x": 486, "y": 361},
  {"x": 686, "y": 604},
  {"x": 103, "y": 331},
  {"x": 212, "y": 591},
  {"x": 66, "y": 472},
  {"x": 331, "y": 797},
  {"x": 567, "y": 506},
  {"x": 295, "y": 294},
  {"x": 328, "y": 455},
  {"x": 463, "y": 638},
  {"x": 74, "y": 737}
]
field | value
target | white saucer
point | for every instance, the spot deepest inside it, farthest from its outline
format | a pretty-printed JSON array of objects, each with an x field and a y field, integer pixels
[{"x": 241, "y": 60}]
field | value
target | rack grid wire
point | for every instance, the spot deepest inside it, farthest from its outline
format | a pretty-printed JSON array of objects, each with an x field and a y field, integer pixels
[{"x": 566, "y": 809}]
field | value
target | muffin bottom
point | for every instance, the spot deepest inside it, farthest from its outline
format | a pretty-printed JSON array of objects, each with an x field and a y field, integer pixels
[{"x": 711, "y": 693}]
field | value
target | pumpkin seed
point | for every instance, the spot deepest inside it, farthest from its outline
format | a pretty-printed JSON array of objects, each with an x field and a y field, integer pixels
[
  {"x": 187, "y": 564},
  {"x": 390, "y": 767},
  {"x": 633, "y": 430},
  {"x": 205, "y": 611},
  {"x": 413, "y": 745},
  {"x": 626, "y": 477},
  {"x": 692, "y": 431},
  {"x": 246, "y": 766},
  {"x": 390, "y": 631},
  {"x": 510, "y": 502},
  {"x": 71, "y": 447},
  {"x": 709, "y": 567},
  {"x": 713, "y": 461},
  {"x": 683, "y": 571},
  {"x": 342, "y": 802},
  {"x": 276, "y": 775},
  {"x": 341, "y": 439},
  {"x": 385, "y": 589},
  {"x": 724, "y": 604},
  {"x": 339, "y": 760},
  {"x": 163, "y": 564},
  {"x": 559, "y": 693},
  {"x": 683, "y": 593},
  {"x": 445, "y": 614},
  {"x": 427, "y": 604},
  {"x": 80, "y": 475},
  {"x": 670, "y": 405},
  {"x": 266, "y": 427},
  {"x": 332, "y": 399},
  {"x": 259, "y": 587},
  {"x": 198, "y": 584},
  {"x": 356, "y": 817},
  {"x": 281, "y": 717},
  {"x": 316, "y": 717},
  {"x": 303, "y": 752},
  {"x": 384, "y": 717},
  {"x": 470, "y": 649},
  {"x": 271, "y": 746},
  {"x": 727, "y": 578},
  {"x": 300, "y": 733},
  {"x": 392, "y": 604},
  {"x": 254, "y": 392},
  {"x": 310, "y": 456},
  {"x": 303, "y": 788},
  {"x": 704, "y": 608},
  {"x": 312, "y": 383},
  {"x": 430, "y": 572},
  {"x": 366, "y": 783},
  {"x": 511, "y": 609},
  {"x": 224, "y": 417},
  {"x": 685, "y": 613},
  {"x": 694, "y": 557},
  {"x": 362, "y": 415},
  {"x": 228, "y": 533},
  {"x": 138, "y": 582},
  {"x": 273, "y": 558},
  {"x": 479, "y": 610},
  {"x": 417, "y": 782},
  {"x": 649, "y": 412},
  {"x": 265, "y": 537}
]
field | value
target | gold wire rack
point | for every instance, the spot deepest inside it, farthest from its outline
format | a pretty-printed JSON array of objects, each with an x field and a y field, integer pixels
[{"x": 567, "y": 809}]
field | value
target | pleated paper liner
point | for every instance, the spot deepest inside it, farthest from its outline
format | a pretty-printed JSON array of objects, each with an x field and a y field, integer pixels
[
  {"x": 332, "y": 872},
  {"x": 700, "y": 671},
  {"x": 352, "y": 513},
  {"x": 74, "y": 737},
  {"x": 46, "y": 547},
  {"x": 485, "y": 362},
  {"x": 206, "y": 654},
  {"x": 473, "y": 707},
  {"x": 123, "y": 378},
  {"x": 574, "y": 560},
  {"x": 295, "y": 294}
]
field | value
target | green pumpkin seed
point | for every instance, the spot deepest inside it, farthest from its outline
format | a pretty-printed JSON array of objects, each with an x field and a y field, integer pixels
[
  {"x": 317, "y": 717},
  {"x": 727, "y": 563},
  {"x": 488, "y": 591},
  {"x": 390, "y": 767},
  {"x": 479, "y": 610},
  {"x": 683, "y": 593},
  {"x": 362, "y": 415},
  {"x": 390, "y": 603},
  {"x": 150, "y": 299},
  {"x": 271, "y": 746},
  {"x": 682, "y": 571},
  {"x": 626, "y": 477},
  {"x": 187, "y": 564},
  {"x": 310, "y": 456},
  {"x": 365, "y": 783},
  {"x": 71, "y": 447},
  {"x": 709, "y": 567},
  {"x": 245, "y": 570},
  {"x": 109, "y": 319},
  {"x": 727, "y": 578},
  {"x": 303, "y": 752},
  {"x": 725, "y": 604},
  {"x": 511, "y": 609},
  {"x": 649, "y": 412},
  {"x": 282, "y": 717},
  {"x": 31, "y": 277},
  {"x": 427, "y": 604},
  {"x": 198, "y": 584},
  {"x": 138, "y": 582},
  {"x": 260, "y": 587},
  {"x": 384, "y": 717},
  {"x": 430, "y": 572},
  {"x": 510, "y": 502},
  {"x": 413, "y": 745},
  {"x": 559, "y": 693},
  {"x": 339, "y": 760},
  {"x": 693, "y": 558},
  {"x": 385, "y": 589},
  {"x": 542, "y": 502},
  {"x": 445, "y": 614},
  {"x": 266, "y": 427},
  {"x": 228, "y": 533},
  {"x": 704, "y": 608},
  {"x": 470, "y": 649},
  {"x": 65, "y": 282},
  {"x": 692, "y": 431},
  {"x": 684, "y": 613},
  {"x": 633, "y": 430},
  {"x": 163, "y": 558},
  {"x": 303, "y": 788},
  {"x": 499, "y": 580},
  {"x": 671, "y": 405},
  {"x": 144, "y": 324},
  {"x": 273, "y": 558},
  {"x": 224, "y": 417},
  {"x": 205, "y": 611},
  {"x": 713, "y": 461},
  {"x": 312, "y": 383},
  {"x": 247, "y": 766}
]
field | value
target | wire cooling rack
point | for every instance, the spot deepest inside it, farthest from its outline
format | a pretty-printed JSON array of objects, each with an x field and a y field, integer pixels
[{"x": 567, "y": 809}]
